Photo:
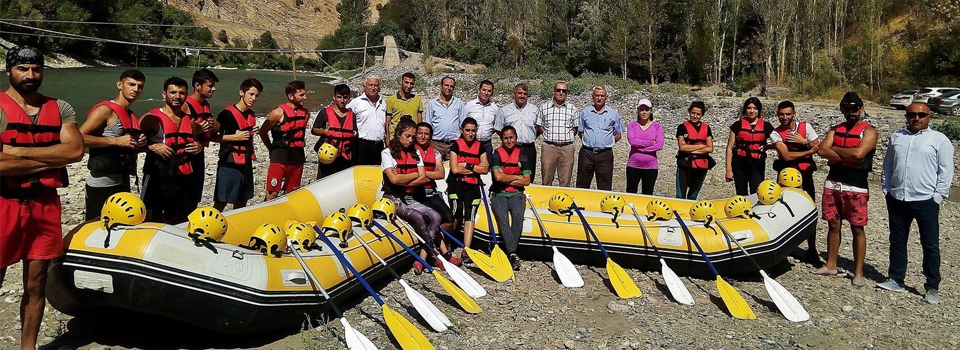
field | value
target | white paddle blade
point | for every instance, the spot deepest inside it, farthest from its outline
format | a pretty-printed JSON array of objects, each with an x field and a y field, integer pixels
[
  {"x": 436, "y": 319},
  {"x": 467, "y": 283},
  {"x": 788, "y": 305},
  {"x": 677, "y": 289},
  {"x": 569, "y": 276},
  {"x": 355, "y": 340}
]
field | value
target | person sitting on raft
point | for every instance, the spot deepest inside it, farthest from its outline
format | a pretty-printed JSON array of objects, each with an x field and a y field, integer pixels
[{"x": 511, "y": 173}]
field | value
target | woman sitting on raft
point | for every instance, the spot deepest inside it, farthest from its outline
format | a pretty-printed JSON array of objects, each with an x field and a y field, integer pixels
[{"x": 511, "y": 173}]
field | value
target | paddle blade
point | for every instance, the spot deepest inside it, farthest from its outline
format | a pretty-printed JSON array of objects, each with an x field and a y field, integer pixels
[
  {"x": 489, "y": 267},
  {"x": 621, "y": 281},
  {"x": 465, "y": 301},
  {"x": 734, "y": 302},
  {"x": 409, "y": 337},
  {"x": 677, "y": 289},
  {"x": 355, "y": 340},
  {"x": 788, "y": 305},
  {"x": 467, "y": 283},
  {"x": 569, "y": 276},
  {"x": 436, "y": 319},
  {"x": 501, "y": 261}
]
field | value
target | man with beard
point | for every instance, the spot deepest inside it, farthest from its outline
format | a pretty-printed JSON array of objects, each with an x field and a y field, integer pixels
[
  {"x": 849, "y": 148},
  {"x": 171, "y": 144},
  {"x": 405, "y": 104},
  {"x": 38, "y": 137},
  {"x": 238, "y": 124},
  {"x": 287, "y": 125},
  {"x": 112, "y": 132},
  {"x": 796, "y": 142},
  {"x": 198, "y": 109},
  {"x": 337, "y": 126}
]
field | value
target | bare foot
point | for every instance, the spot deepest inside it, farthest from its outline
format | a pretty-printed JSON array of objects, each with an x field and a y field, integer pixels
[
  {"x": 858, "y": 281},
  {"x": 824, "y": 271}
]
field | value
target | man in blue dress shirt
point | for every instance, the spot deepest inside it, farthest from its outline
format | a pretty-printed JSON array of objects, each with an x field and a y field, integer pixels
[
  {"x": 444, "y": 113},
  {"x": 600, "y": 128}
]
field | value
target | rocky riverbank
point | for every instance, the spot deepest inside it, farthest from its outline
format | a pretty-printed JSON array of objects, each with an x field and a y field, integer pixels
[{"x": 535, "y": 312}]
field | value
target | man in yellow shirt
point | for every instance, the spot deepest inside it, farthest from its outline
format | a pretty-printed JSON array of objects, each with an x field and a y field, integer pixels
[{"x": 403, "y": 104}]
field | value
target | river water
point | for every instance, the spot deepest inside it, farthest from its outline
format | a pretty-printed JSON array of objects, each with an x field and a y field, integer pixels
[{"x": 85, "y": 87}]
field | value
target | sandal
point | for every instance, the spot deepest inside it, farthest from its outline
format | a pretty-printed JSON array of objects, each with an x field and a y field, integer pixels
[
  {"x": 465, "y": 257},
  {"x": 417, "y": 268}
]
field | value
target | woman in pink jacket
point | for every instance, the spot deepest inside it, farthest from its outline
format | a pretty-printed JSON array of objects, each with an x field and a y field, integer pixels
[{"x": 646, "y": 138}]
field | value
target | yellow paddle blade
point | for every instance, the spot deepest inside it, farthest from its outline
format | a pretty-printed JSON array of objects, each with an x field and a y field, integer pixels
[
  {"x": 409, "y": 337},
  {"x": 487, "y": 265},
  {"x": 621, "y": 281},
  {"x": 734, "y": 302},
  {"x": 501, "y": 261},
  {"x": 465, "y": 301}
]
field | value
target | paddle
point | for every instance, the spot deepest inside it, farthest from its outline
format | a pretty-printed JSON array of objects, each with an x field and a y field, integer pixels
[
  {"x": 424, "y": 307},
  {"x": 465, "y": 301},
  {"x": 569, "y": 276},
  {"x": 355, "y": 340},
  {"x": 467, "y": 283},
  {"x": 499, "y": 257},
  {"x": 621, "y": 281},
  {"x": 403, "y": 331},
  {"x": 677, "y": 289},
  {"x": 731, "y": 298},
  {"x": 786, "y": 302},
  {"x": 485, "y": 263}
]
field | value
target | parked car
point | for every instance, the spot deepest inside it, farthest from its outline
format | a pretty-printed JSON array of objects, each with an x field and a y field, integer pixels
[
  {"x": 948, "y": 103},
  {"x": 902, "y": 99},
  {"x": 924, "y": 94}
]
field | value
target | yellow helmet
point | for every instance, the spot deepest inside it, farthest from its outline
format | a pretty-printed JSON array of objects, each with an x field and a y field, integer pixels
[
  {"x": 612, "y": 204},
  {"x": 288, "y": 224},
  {"x": 361, "y": 214},
  {"x": 207, "y": 223},
  {"x": 702, "y": 211},
  {"x": 304, "y": 235},
  {"x": 269, "y": 240},
  {"x": 738, "y": 206},
  {"x": 385, "y": 207},
  {"x": 123, "y": 208},
  {"x": 657, "y": 209},
  {"x": 560, "y": 203},
  {"x": 327, "y": 153},
  {"x": 768, "y": 192},
  {"x": 790, "y": 177},
  {"x": 337, "y": 222}
]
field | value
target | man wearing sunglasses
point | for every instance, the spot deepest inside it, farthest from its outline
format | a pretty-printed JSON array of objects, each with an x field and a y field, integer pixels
[
  {"x": 558, "y": 123},
  {"x": 849, "y": 148},
  {"x": 917, "y": 173}
]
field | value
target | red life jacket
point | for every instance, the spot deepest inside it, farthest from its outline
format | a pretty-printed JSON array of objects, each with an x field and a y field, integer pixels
[
  {"x": 289, "y": 133},
  {"x": 340, "y": 134},
  {"x": 694, "y": 137},
  {"x": 429, "y": 163},
  {"x": 802, "y": 164},
  {"x": 750, "y": 139},
  {"x": 407, "y": 164},
  {"x": 115, "y": 159},
  {"x": 842, "y": 137},
  {"x": 22, "y": 132},
  {"x": 469, "y": 154},
  {"x": 176, "y": 137},
  {"x": 200, "y": 111},
  {"x": 510, "y": 165},
  {"x": 241, "y": 150}
]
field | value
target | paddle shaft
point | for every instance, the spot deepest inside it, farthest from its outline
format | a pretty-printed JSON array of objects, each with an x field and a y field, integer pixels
[
  {"x": 452, "y": 238},
  {"x": 694, "y": 240},
  {"x": 315, "y": 282},
  {"x": 343, "y": 260},
  {"x": 405, "y": 247},
  {"x": 646, "y": 234},
  {"x": 734, "y": 240},
  {"x": 590, "y": 230},
  {"x": 486, "y": 206},
  {"x": 543, "y": 229}
]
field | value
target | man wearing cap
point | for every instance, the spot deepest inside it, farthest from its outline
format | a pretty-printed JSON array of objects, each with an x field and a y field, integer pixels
[
  {"x": 38, "y": 138},
  {"x": 371, "y": 112},
  {"x": 600, "y": 128},
  {"x": 443, "y": 113},
  {"x": 557, "y": 122},
  {"x": 917, "y": 173},
  {"x": 484, "y": 111},
  {"x": 849, "y": 148},
  {"x": 522, "y": 116}
]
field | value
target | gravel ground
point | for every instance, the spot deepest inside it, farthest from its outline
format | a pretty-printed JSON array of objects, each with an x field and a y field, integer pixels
[{"x": 536, "y": 312}]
